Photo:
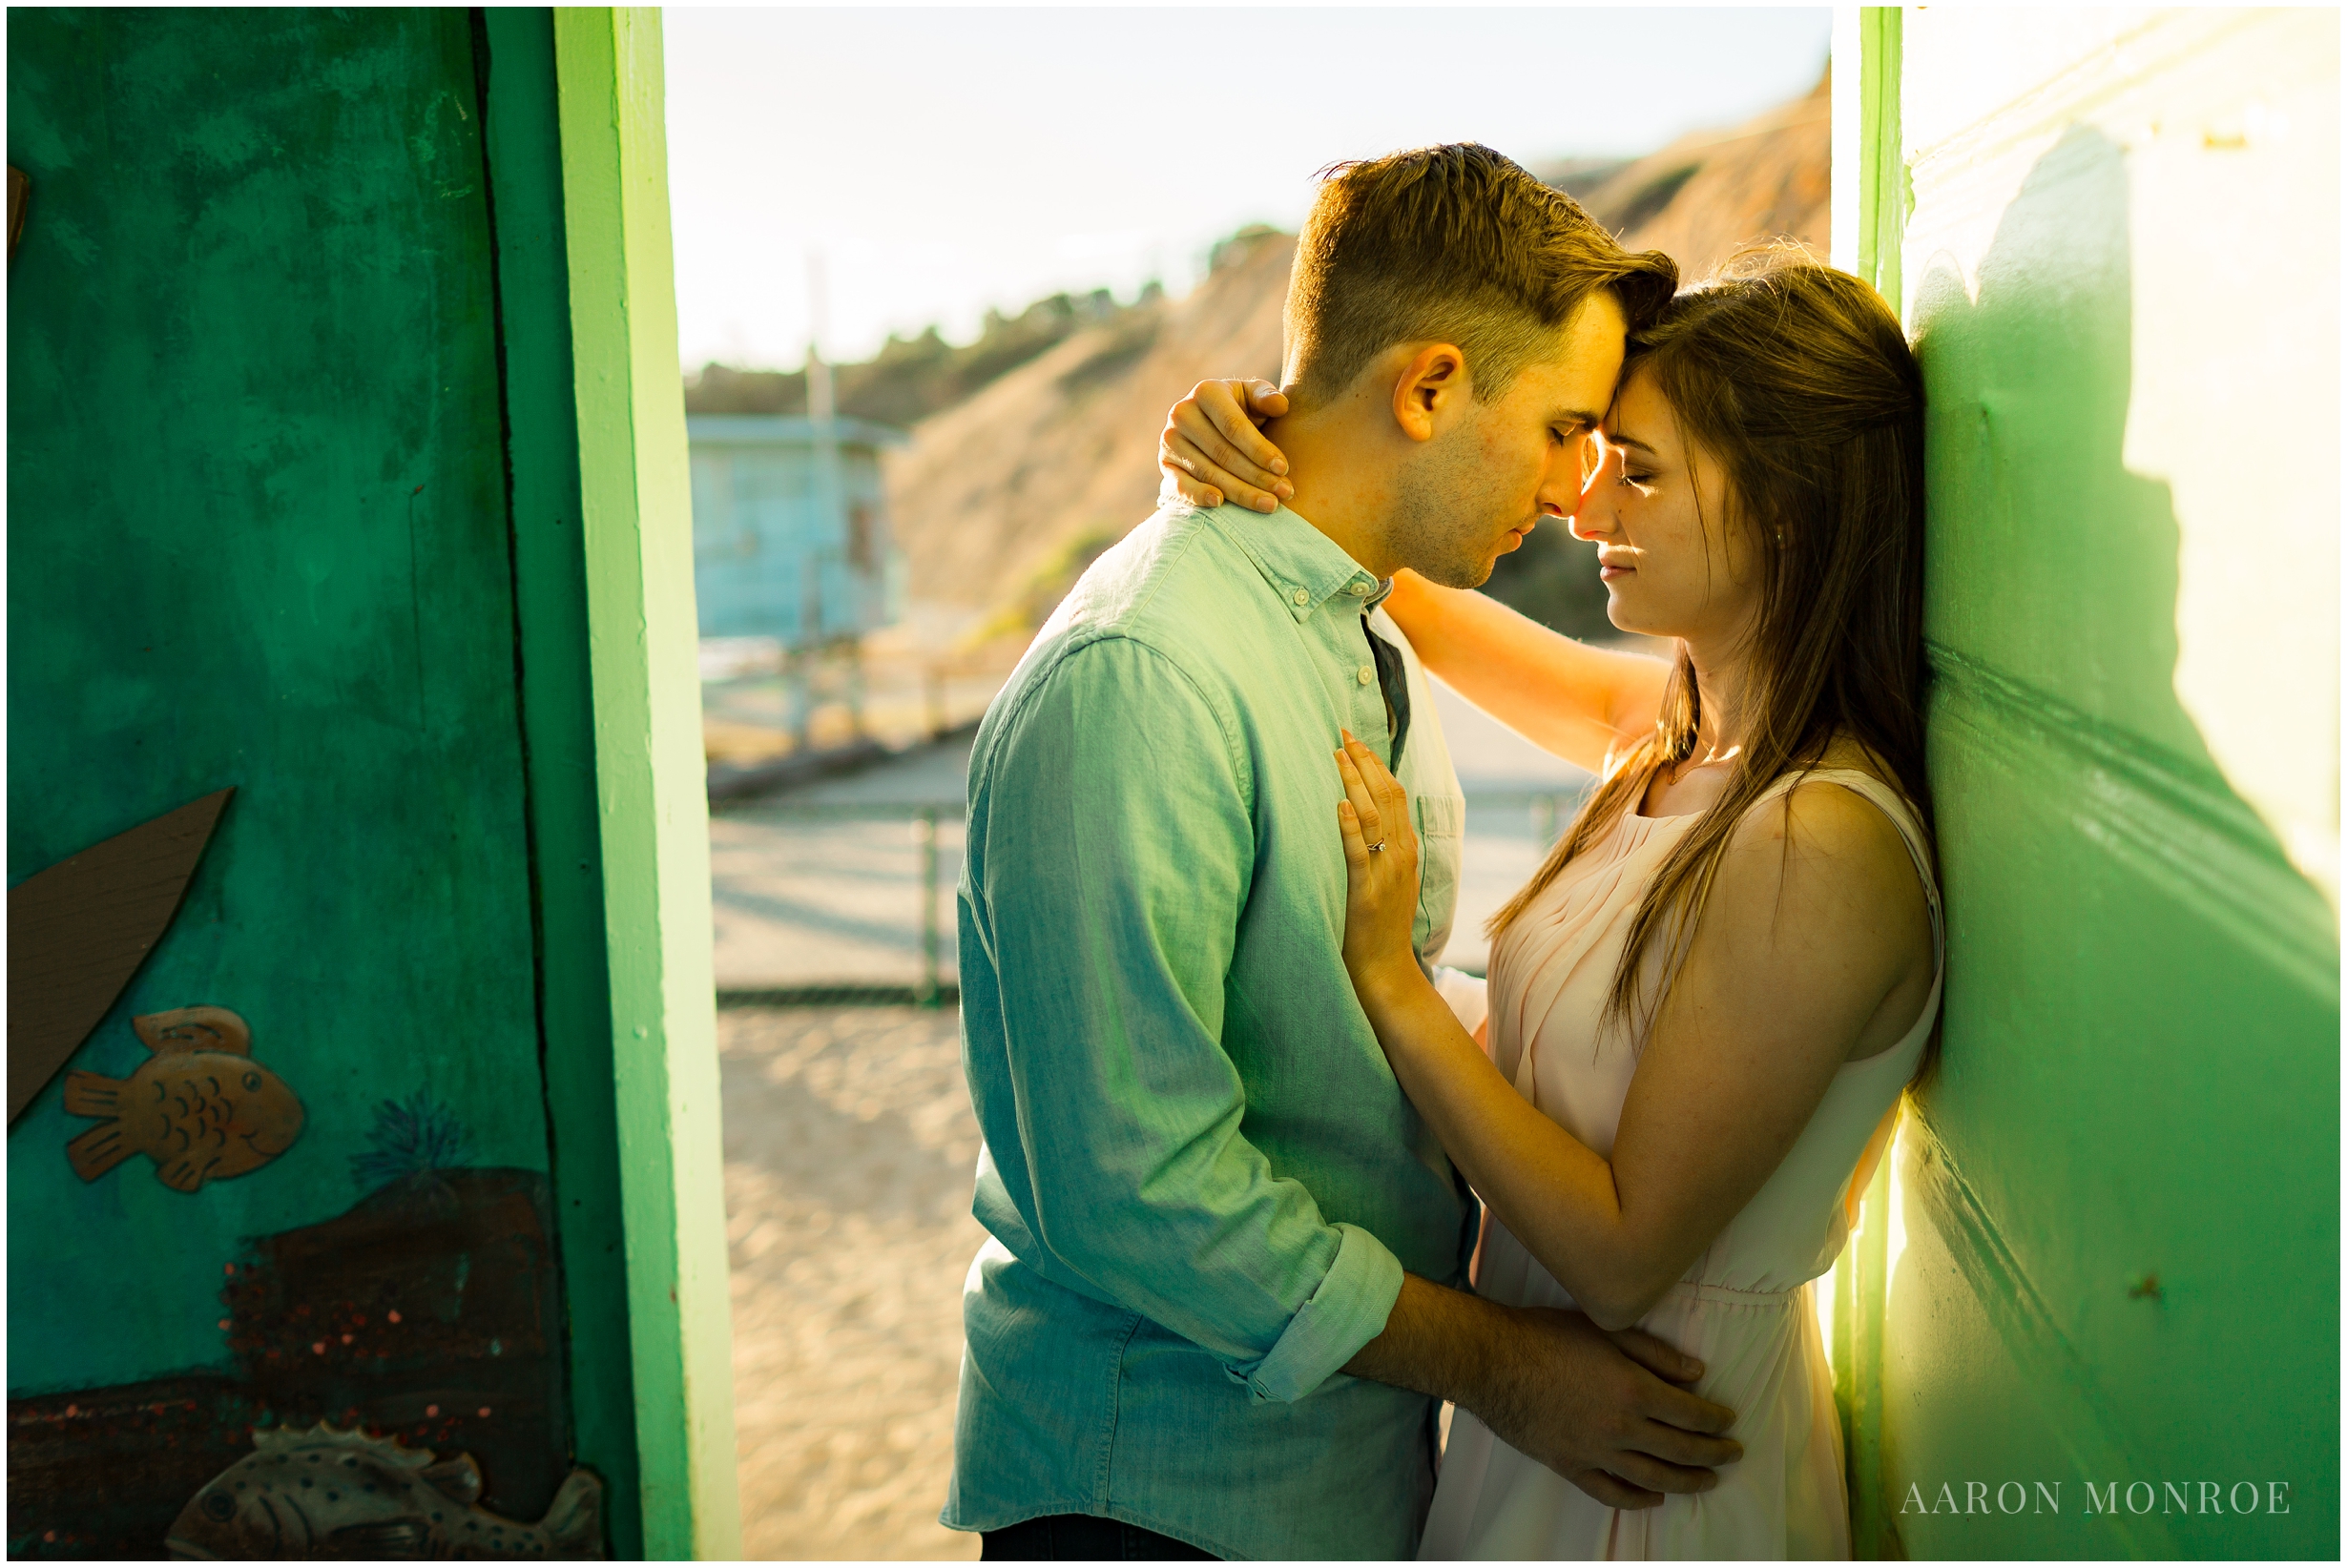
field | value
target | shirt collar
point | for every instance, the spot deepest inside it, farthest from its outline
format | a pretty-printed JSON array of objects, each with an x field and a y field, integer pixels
[{"x": 1303, "y": 565}]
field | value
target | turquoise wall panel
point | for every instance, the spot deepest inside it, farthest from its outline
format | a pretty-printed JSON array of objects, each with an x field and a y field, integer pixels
[{"x": 258, "y": 537}]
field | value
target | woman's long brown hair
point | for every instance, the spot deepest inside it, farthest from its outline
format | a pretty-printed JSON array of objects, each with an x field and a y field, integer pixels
[{"x": 1797, "y": 381}]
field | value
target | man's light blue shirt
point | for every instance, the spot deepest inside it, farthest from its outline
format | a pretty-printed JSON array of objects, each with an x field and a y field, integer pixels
[{"x": 1201, "y": 1180}]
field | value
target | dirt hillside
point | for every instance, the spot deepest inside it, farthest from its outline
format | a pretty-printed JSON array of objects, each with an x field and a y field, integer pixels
[
  {"x": 1001, "y": 500},
  {"x": 1705, "y": 195},
  {"x": 1064, "y": 448}
]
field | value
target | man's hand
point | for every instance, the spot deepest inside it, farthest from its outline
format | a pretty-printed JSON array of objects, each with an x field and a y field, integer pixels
[
  {"x": 1595, "y": 1408},
  {"x": 1599, "y": 1410}
]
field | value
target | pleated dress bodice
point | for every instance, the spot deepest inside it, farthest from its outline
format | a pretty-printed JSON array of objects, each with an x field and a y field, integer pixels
[{"x": 1745, "y": 1308}]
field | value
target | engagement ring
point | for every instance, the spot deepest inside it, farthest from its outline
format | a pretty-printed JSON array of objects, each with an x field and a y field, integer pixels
[{"x": 1378, "y": 845}]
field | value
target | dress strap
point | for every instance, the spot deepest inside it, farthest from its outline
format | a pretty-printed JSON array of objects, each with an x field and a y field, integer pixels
[{"x": 1895, "y": 806}]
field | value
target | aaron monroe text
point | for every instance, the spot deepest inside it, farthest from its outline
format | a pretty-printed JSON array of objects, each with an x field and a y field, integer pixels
[{"x": 2100, "y": 1497}]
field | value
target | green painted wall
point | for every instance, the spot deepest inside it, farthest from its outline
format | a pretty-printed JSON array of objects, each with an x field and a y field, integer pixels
[
  {"x": 2113, "y": 1253},
  {"x": 258, "y": 537},
  {"x": 297, "y": 419}
]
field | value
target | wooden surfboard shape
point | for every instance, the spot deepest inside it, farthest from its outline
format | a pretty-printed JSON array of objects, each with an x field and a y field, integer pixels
[{"x": 78, "y": 931}]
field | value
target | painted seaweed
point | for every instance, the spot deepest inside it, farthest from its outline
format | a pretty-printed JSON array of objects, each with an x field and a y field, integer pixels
[{"x": 411, "y": 1138}]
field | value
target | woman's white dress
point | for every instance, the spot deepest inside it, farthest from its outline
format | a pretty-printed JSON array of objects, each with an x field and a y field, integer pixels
[{"x": 1745, "y": 1308}]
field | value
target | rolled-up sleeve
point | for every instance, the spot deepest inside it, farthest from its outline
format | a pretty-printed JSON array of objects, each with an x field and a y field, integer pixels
[
  {"x": 1111, "y": 850},
  {"x": 1349, "y": 1309}
]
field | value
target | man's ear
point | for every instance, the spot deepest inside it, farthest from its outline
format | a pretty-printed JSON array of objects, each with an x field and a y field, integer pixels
[{"x": 1429, "y": 390}]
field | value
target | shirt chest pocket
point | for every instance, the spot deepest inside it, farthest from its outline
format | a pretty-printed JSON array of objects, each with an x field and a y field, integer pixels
[{"x": 1440, "y": 822}]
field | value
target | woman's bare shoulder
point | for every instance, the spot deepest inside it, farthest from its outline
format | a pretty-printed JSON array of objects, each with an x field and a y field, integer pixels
[{"x": 1829, "y": 848}]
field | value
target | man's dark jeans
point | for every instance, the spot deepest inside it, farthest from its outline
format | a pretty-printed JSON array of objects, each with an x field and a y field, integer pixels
[{"x": 1080, "y": 1538}]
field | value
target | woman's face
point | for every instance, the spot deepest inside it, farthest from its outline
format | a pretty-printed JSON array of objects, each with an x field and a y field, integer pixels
[{"x": 1655, "y": 504}]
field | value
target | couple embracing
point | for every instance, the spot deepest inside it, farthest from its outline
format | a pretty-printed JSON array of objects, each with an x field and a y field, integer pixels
[{"x": 1265, "y": 1189}]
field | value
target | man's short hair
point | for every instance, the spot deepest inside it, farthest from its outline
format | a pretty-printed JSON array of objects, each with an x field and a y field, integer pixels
[{"x": 1451, "y": 244}]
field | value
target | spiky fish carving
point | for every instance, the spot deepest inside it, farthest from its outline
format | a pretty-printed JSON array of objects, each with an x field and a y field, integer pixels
[{"x": 329, "y": 1493}]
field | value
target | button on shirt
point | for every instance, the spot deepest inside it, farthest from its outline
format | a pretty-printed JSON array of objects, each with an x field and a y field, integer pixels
[{"x": 1201, "y": 1180}]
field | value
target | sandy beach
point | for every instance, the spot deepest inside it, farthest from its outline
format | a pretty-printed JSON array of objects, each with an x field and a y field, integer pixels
[{"x": 849, "y": 1147}]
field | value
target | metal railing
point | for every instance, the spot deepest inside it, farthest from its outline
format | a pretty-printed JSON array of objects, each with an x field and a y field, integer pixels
[
  {"x": 1547, "y": 812},
  {"x": 924, "y": 838},
  {"x": 930, "y": 989}
]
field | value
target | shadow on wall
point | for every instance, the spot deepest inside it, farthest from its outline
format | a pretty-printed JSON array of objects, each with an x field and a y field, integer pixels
[
  {"x": 2060, "y": 592},
  {"x": 2082, "y": 553},
  {"x": 2127, "y": 936}
]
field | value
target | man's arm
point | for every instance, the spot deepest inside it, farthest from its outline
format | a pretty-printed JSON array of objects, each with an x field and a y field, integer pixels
[
  {"x": 1112, "y": 857},
  {"x": 1580, "y": 702},
  {"x": 1589, "y": 1405}
]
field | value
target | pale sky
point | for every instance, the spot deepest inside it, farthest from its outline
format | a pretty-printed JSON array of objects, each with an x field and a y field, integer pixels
[{"x": 945, "y": 160}]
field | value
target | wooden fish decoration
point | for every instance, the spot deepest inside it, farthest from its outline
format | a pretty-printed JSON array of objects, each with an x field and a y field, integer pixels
[
  {"x": 329, "y": 1493},
  {"x": 200, "y": 1108}
]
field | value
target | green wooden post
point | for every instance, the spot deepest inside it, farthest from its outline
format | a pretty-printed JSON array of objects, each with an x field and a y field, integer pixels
[
  {"x": 650, "y": 779},
  {"x": 1872, "y": 1532},
  {"x": 1882, "y": 187},
  {"x": 523, "y": 150},
  {"x": 1870, "y": 197},
  {"x": 1883, "y": 170}
]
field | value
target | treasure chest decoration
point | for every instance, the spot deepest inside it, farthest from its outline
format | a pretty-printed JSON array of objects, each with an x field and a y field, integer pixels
[
  {"x": 200, "y": 1106},
  {"x": 330, "y": 1493}
]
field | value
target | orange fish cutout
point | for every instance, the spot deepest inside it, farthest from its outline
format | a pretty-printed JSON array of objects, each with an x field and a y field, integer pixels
[{"x": 199, "y": 1107}]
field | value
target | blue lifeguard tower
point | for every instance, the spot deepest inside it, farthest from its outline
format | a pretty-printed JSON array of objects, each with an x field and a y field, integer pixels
[
  {"x": 791, "y": 541},
  {"x": 793, "y": 558}
]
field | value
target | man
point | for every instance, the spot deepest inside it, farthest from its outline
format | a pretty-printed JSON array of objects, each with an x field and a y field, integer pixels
[{"x": 1222, "y": 1300}]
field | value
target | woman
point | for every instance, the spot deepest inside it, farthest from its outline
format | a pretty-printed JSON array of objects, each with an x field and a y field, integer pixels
[{"x": 1705, "y": 1005}]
